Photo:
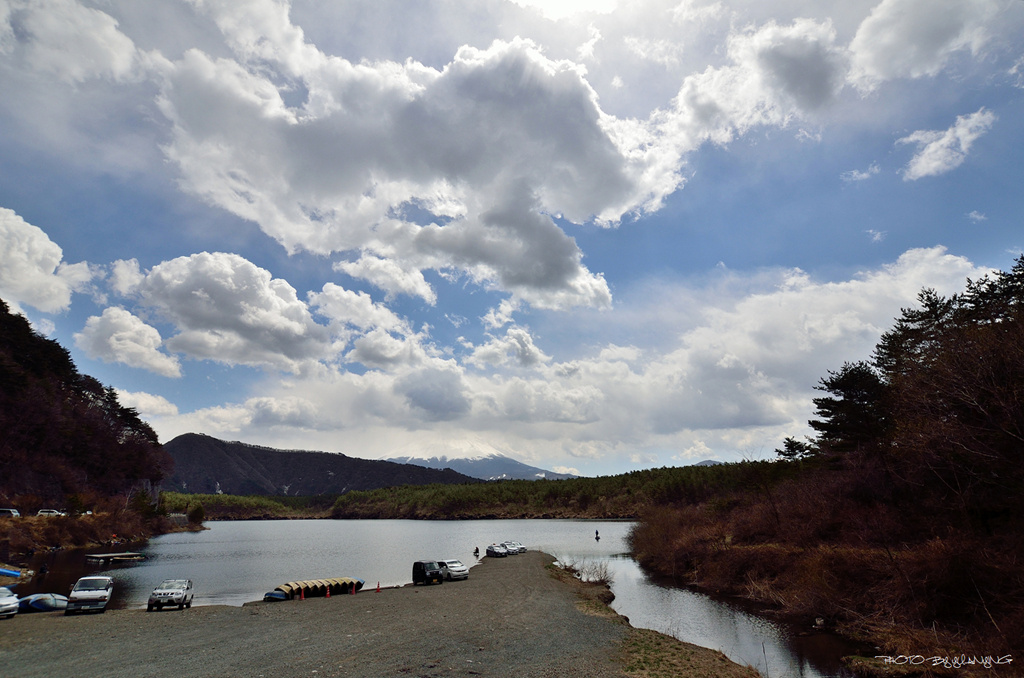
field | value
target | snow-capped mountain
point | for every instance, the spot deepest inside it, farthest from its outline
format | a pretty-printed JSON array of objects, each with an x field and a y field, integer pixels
[{"x": 475, "y": 459}]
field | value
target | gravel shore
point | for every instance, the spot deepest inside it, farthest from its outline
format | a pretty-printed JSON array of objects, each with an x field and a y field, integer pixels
[{"x": 511, "y": 617}]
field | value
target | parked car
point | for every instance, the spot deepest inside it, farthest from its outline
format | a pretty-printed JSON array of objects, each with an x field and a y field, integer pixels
[
  {"x": 8, "y": 603},
  {"x": 512, "y": 547},
  {"x": 497, "y": 551},
  {"x": 426, "y": 572},
  {"x": 9, "y": 513},
  {"x": 50, "y": 512},
  {"x": 522, "y": 549},
  {"x": 171, "y": 592},
  {"x": 90, "y": 593},
  {"x": 453, "y": 569}
]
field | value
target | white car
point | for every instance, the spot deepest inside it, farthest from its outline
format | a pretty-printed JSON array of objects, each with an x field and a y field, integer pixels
[
  {"x": 8, "y": 603},
  {"x": 453, "y": 569},
  {"x": 512, "y": 547},
  {"x": 51, "y": 513},
  {"x": 171, "y": 592},
  {"x": 90, "y": 593}
]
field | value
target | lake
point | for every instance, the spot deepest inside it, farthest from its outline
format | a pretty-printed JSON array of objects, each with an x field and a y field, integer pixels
[{"x": 236, "y": 562}]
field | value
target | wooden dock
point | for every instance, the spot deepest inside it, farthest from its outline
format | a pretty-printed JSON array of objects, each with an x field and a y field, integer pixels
[{"x": 115, "y": 557}]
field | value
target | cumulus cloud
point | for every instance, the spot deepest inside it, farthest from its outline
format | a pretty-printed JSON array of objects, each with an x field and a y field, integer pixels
[
  {"x": 915, "y": 38},
  {"x": 117, "y": 336},
  {"x": 390, "y": 277},
  {"x": 147, "y": 404},
  {"x": 939, "y": 151},
  {"x": 32, "y": 270},
  {"x": 776, "y": 72},
  {"x": 332, "y": 175},
  {"x": 516, "y": 348},
  {"x": 72, "y": 41},
  {"x": 227, "y": 309}
]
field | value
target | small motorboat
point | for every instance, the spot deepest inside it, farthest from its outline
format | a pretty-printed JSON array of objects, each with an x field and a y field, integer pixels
[
  {"x": 42, "y": 602},
  {"x": 275, "y": 596}
]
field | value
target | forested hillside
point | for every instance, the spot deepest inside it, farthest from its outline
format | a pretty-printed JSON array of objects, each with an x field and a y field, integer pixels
[
  {"x": 907, "y": 521},
  {"x": 207, "y": 465},
  {"x": 65, "y": 441}
]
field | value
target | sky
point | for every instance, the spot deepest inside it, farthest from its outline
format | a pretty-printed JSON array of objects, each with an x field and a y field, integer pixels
[{"x": 594, "y": 237}]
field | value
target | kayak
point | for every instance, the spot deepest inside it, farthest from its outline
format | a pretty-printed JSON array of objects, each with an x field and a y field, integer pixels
[{"x": 42, "y": 602}]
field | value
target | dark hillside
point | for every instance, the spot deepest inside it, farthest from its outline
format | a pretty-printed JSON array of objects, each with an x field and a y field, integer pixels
[
  {"x": 205, "y": 465},
  {"x": 64, "y": 438}
]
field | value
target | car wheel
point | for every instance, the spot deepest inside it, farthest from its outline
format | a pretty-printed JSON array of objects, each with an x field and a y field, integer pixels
[
  {"x": 189, "y": 604},
  {"x": 67, "y": 613},
  {"x": 149, "y": 608},
  {"x": 181, "y": 606}
]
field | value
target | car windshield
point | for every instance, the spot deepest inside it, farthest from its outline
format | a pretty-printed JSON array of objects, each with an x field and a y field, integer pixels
[
  {"x": 173, "y": 584},
  {"x": 454, "y": 563},
  {"x": 431, "y": 566},
  {"x": 91, "y": 585}
]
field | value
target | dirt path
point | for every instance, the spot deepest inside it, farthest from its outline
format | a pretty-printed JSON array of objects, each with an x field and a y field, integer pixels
[{"x": 511, "y": 617}]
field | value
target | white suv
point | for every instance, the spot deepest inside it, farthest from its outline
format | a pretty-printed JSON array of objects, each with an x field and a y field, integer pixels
[
  {"x": 90, "y": 593},
  {"x": 171, "y": 592}
]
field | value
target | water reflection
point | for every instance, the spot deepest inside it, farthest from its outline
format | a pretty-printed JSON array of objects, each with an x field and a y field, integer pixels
[{"x": 236, "y": 562}]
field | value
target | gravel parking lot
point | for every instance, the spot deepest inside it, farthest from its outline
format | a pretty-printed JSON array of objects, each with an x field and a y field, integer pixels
[{"x": 511, "y": 617}]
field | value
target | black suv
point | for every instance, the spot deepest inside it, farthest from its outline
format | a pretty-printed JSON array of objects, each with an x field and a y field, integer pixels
[{"x": 426, "y": 572}]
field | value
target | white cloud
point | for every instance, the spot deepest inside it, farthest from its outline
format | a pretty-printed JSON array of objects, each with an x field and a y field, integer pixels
[
  {"x": 329, "y": 176},
  {"x": 390, "y": 277},
  {"x": 118, "y": 336},
  {"x": 976, "y": 216},
  {"x": 147, "y": 404},
  {"x": 72, "y": 41},
  {"x": 516, "y": 348},
  {"x": 915, "y": 38},
  {"x": 32, "y": 270},
  {"x": 229, "y": 310},
  {"x": 943, "y": 151},
  {"x": 861, "y": 175}
]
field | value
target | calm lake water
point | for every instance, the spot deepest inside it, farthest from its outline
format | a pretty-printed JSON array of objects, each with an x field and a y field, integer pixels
[{"x": 236, "y": 562}]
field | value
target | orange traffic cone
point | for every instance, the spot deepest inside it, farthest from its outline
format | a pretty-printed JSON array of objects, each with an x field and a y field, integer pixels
[
  {"x": 302, "y": 594},
  {"x": 378, "y": 587},
  {"x": 352, "y": 588},
  {"x": 328, "y": 591}
]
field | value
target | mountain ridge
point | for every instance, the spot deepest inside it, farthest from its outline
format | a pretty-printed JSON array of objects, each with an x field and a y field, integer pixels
[{"x": 207, "y": 465}]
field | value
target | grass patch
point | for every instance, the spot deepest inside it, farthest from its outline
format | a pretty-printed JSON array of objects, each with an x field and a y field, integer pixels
[{"x": 649, "y": 654}]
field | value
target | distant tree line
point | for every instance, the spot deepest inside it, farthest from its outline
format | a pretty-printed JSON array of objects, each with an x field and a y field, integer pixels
[{"x": 65, "y": 439}]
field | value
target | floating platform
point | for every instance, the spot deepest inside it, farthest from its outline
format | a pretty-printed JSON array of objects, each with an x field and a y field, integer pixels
[
  {"x": 311, "y": 588},
  {"x": 115, "y": 557}
]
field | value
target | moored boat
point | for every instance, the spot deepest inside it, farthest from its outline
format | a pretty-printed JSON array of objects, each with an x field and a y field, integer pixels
[{"x": 42, "y": 602}]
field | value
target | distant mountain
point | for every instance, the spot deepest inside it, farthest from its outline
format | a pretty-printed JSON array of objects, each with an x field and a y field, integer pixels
[
  {"x": 206, "y": 465},
  {"x": 707, "y": 462},
  {"x": 491, "y": 467}
]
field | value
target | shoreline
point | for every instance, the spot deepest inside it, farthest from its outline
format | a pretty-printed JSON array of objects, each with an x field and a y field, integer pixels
[{"x": 520, "y": 614}]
